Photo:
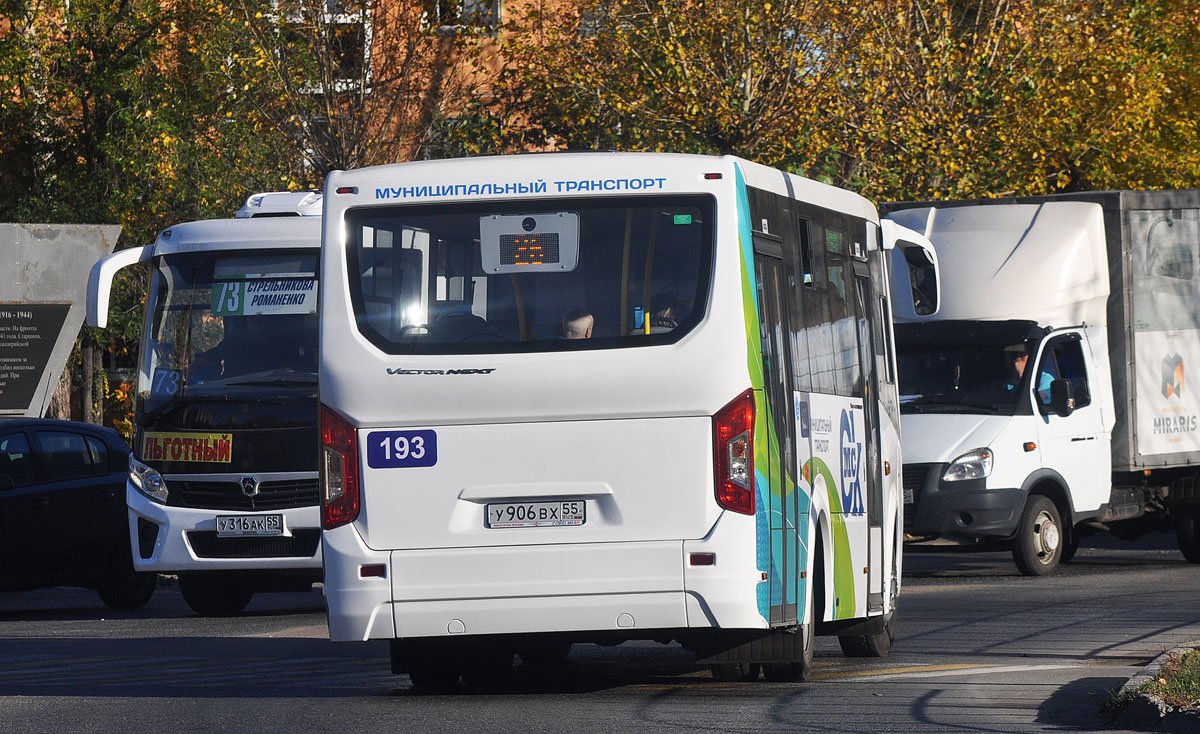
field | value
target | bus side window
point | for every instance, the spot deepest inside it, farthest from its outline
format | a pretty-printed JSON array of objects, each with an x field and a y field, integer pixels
[
  {"x": 840, "y": 293},
  {"x": 798, "y": 259},
  {"x": 818, "y": 326}
]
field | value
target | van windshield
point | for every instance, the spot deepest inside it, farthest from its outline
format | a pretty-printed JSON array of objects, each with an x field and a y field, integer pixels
[
  {"x": 965, "y": 367},
  {"x": 488, "y": 277}
]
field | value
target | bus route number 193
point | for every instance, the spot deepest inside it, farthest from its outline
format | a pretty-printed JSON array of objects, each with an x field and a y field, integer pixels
[{"x": 401, "y": 449}]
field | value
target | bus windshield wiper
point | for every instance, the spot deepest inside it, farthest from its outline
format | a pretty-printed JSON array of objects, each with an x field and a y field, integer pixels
[{"x": 279, "y": 381}]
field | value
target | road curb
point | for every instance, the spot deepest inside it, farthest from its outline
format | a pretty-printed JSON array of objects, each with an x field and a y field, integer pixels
[{"x": 1150, "y": 713}]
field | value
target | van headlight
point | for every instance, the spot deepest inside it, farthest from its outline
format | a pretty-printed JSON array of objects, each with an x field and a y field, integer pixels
[
  {"x": 975, "y": 464},
  {"x": 147, "y": 480}
]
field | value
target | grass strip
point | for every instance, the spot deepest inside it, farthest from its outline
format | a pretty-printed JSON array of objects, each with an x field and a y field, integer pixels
[{"x": 1178, "y": 681}]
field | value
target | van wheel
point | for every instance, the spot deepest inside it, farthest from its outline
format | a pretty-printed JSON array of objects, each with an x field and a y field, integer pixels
[
  {"x": 1187, "y": 534},
  {"x": 876, "y": 645},
  {"x": 730, "y": 672},
  {"x": 214, "y": 594},
  {"x": 1038, "y": 547}
]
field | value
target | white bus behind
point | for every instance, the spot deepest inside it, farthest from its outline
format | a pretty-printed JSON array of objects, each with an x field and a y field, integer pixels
[{"x": 717, "y": 462}]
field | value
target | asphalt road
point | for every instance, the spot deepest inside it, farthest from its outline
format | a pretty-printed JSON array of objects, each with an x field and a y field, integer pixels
[{"x": 980, "y": 648}]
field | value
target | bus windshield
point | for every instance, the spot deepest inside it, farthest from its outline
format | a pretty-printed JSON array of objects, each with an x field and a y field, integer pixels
[
  {"x": 490, "y": 277},
  {"x": 230, "y": 326}
]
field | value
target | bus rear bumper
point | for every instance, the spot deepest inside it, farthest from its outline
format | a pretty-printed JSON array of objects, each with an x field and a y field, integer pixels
[{"x": 626, "y": 589}]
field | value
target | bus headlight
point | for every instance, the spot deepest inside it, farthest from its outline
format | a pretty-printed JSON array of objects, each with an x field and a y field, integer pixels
[
  {"x": 975, "y": 464},
  {"x": 147, "y": 480}
]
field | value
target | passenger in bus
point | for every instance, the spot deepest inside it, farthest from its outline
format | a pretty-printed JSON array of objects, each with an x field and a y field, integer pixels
[
  {"x": 667, "y": 310},
  {"x": 577, "y": 323}
]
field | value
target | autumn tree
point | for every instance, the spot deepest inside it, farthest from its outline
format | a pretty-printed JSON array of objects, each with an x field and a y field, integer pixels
[
  {"x": 107, "y": 116},
  {"x": 908, "y": 99},
  {"x": 957, "y": 99},
  {"x": 348, "y": 83},
  {"x": 711, "y": 77}
]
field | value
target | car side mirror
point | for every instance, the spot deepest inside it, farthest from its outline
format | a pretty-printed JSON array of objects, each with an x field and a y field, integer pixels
[
  {"x": 1062, "y": 397},
  {"x": 6, "y": 482}
]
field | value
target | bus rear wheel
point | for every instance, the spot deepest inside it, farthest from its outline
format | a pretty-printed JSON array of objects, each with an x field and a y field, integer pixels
[
  {"x": 792, "y": 672},
  {"x": 732, "y": 672},
  {"x": 876, "y": 645}
]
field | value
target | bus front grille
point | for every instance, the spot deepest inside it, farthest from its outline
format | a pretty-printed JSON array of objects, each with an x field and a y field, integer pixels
[
  {"x": 228, "y": 495},
  {"x": 302, "y": 544}
]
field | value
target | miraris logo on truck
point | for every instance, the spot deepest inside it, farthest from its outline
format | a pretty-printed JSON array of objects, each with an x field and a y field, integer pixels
[{"x": 1172, "y": 376}]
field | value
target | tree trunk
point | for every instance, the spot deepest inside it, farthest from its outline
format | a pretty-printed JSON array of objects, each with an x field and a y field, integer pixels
[
  {"x": 60, "y": 401},
  {"x": 101, "y": 378},
  {"x": 89, "y": 366}
]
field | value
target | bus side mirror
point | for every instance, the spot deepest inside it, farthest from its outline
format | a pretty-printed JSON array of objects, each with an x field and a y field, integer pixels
[{"x": 1062, "y": 398}]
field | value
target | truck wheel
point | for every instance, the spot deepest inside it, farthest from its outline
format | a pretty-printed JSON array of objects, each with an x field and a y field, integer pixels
[
  {"x": 214, "y": 594},
  {"x": 1187, "y": 534},
  {"x": 877, "y": 645},
  {"x": 1038, "y": 547}
]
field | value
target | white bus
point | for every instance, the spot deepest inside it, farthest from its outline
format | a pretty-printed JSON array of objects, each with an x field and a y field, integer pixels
[
  {"x": 223, "y": 482},
  {"x": 601, "y": 397}
]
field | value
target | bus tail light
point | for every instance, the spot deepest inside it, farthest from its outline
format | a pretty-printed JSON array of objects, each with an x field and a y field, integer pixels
[
  {"x": 733, "y": 454},
  {"x": 339, "y": 470}
]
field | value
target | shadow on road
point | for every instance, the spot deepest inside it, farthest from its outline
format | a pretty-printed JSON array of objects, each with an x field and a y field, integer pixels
[{"x": 1077, "y": 706}]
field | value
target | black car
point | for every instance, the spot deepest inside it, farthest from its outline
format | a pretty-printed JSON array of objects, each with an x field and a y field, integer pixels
[{"x": 62, "y": 511}]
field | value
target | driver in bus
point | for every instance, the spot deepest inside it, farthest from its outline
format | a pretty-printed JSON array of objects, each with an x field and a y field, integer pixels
[{"x": 577, "y": 324}]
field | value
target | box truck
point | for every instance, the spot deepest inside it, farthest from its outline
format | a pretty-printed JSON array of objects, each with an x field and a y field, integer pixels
[{"x": 1047, "y": 398}]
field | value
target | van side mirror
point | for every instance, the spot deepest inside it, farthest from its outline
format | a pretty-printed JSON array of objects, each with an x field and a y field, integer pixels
[{"x": 1062, "y": 397}]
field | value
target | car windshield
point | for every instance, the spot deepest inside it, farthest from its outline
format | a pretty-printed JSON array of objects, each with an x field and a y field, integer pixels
[
  {"x": 227, "y": 325},
  {"x": 530, "y": 276},
  {"x": 971, "y": 379}
]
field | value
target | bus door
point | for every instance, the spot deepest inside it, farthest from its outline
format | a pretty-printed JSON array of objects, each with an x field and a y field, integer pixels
[
  {"x": 869, "y": 325},
  {"x": 786, "y": 587}
]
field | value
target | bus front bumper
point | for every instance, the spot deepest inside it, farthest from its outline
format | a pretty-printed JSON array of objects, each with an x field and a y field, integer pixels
[{"x": 169, "y": 539}]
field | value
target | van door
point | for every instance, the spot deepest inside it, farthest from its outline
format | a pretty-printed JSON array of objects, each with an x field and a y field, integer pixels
[
  {"x": 784, "y": 505},
  {"x": 1074, "y": 445}
]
